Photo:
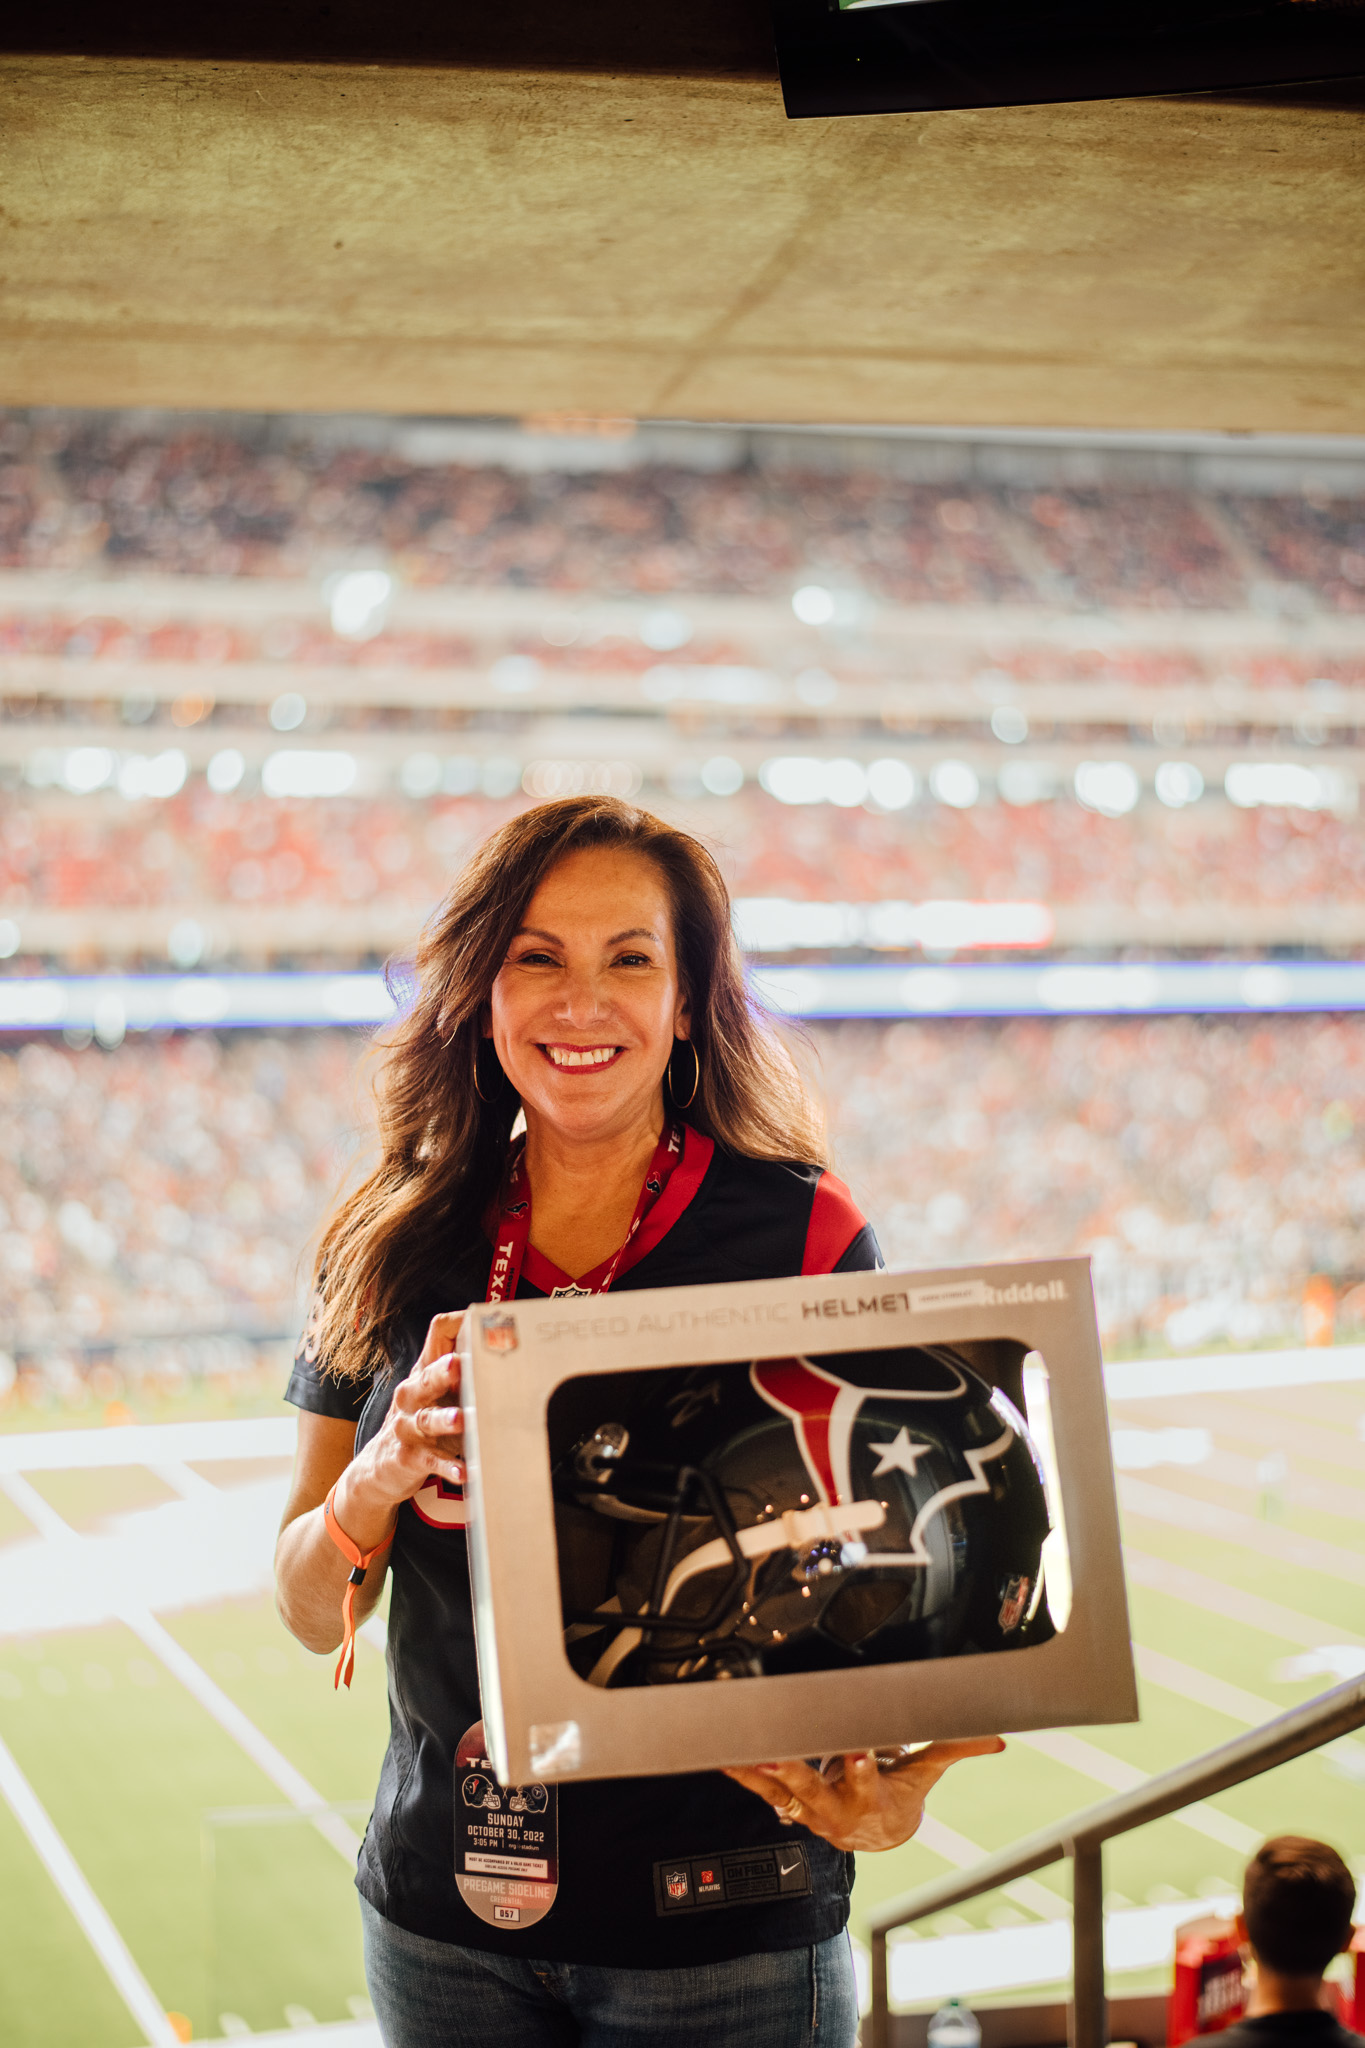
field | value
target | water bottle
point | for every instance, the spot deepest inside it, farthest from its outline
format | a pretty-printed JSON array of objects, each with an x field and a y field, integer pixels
[{"x": 954, "y": 2025}]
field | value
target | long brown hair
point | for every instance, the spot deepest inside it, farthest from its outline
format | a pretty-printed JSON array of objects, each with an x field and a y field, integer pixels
[{"x": 445, "y": 1116}]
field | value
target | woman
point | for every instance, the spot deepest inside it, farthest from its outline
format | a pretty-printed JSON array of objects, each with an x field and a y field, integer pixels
[{"x": 584, "y": 972}]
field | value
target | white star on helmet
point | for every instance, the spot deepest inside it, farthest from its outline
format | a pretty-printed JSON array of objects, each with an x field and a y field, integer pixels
[{"x": 900, "y": 1455}]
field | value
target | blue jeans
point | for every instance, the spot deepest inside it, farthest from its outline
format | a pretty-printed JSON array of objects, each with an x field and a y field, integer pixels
[{"x": 431, "y": 1994}]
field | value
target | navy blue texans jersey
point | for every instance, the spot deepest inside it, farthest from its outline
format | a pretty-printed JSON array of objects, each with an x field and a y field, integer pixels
[{"x": 742, "y": 1219}]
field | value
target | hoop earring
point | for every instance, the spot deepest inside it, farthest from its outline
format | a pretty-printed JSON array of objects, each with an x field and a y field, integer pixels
[
  {"x": 678, "y": 1103},
  {"x": 478, "y": 1048}
]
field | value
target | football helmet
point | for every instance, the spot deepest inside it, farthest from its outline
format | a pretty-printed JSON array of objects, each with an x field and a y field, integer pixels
[{"x": 805, "y": 1514}]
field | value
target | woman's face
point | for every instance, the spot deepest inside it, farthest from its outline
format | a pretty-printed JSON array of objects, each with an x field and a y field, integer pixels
[{"x": 586, "y": 1006}]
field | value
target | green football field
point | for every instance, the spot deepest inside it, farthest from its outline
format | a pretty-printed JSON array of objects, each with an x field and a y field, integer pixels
[{"x": 1246, "y": 1571}]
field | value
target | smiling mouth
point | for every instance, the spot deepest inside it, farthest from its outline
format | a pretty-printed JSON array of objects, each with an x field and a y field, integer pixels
[{"x": 581, "y": 1058}]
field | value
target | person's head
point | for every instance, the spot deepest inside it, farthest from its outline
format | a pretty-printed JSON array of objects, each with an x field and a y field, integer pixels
[
  {"x": 581, "y": 928},
  {"x": 1297, "y": 1901},
  {"x": 588, "y": 1006}
]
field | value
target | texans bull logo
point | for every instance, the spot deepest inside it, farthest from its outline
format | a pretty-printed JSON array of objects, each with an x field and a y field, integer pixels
[
  {"x": 823, "y": 1409},
  {"x": 864, "y": 1484},
  {"x": 441, "y": 1504}
]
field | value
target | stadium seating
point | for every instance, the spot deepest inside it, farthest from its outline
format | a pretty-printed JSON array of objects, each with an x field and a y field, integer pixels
[
  {"x": 213, "y": 503},
  {"x": 963, "y": 1139},
  {"x": 198, "y": 849},
  {"x": 157, "y": 1196}
]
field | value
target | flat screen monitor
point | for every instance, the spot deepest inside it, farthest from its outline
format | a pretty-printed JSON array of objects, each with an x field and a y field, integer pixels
[{"x": 905, "y": 56}]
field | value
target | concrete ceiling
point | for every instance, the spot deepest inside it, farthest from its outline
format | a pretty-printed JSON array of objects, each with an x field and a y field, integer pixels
[{"x": 653, "y": 238}]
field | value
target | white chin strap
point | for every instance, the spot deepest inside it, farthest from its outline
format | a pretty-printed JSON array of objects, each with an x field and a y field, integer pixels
[{"x": 792, "y": 1530}]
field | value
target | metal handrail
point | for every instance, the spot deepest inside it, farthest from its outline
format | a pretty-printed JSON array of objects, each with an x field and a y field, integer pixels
[{"x": 1081, "y": 1838}]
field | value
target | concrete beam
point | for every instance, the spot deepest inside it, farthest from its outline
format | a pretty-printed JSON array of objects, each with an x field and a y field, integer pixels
[{"x": 654, "y": 243}]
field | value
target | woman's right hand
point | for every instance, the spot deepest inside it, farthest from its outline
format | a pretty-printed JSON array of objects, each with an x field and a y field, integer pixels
[{"x": 422, "y": 1436}]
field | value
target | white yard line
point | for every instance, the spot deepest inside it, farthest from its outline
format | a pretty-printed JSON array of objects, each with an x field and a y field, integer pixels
[
  {"x": 146, "y": 1443},
  {"x": 1248, "y": 1707},
  {"x": 177, "y": 1660},
  {"x": 1189, "y": 1683},
  {"x": 962, "y": 1854},
  {"x": 1141, "y": 1379},
  {"x": 1101, "y": 1768},
  {"x": 94, "y": 1922},
  {"x": 331, "y": 2034},
  {"x": 1204, "y": 1518},
  {"x": 1232, "y": 1603},
  {"x": 182, "y": 1479},
  {"x": 151, "y": 1443}
]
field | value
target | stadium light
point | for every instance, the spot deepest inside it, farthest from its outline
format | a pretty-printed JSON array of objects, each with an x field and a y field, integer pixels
[
  {"x": 775, "y": 924},
  {"x": 845, "y": 784},
  {"x": 152, "y": 775},
  {"x": 955, "y": 783},
  {"x": 359, "y": 603},
  {"x": 1009, "y": 724},
  {"x": 313, "y": 772},
  {"x": 1026, "y": 782},
  {"x": 1250, "y": 784},
  {"x": 1178, "y": 783},
  {"x": 288, "y": 711},
  {"x": 500, "y": 775},
  {"x": 722, "y": 776},
  {"x": 712, "y": 682},
  {"x": 420, "y": 775},
  {"x": 9, "y": 938},
  {"x": 772, "y": 924},
  {"x": 958, "y": 927},
  {"x": 813, "y": 604},
  {"x": 86, "y": 769},
  {"x": 815, "y": 686},
  {"x": 186, "y": 943},
  {"x": 1191, "y": 988},
  {"x": 808, "y": 779},
  {"x": 891, "y": 785},
  {"x": 225, "y": 770},
  {"x": 109, "y": 1017},
  {"x": 547, "y": 780},
  {"x": 665, "y": 630},
  {"x": 1109, "y": 787},
  {"x": 794, "y": 779},
  {"x": 514, "y": 674}
]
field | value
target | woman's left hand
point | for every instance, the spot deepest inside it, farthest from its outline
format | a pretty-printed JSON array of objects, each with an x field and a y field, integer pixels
[{"x": 861, "y": 1807}]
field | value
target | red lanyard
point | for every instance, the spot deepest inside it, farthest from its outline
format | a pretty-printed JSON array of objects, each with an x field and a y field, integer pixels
[{"x": 514, "y": 1223}]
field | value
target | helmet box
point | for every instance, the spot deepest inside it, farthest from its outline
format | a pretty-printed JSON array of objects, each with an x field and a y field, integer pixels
[{"x": 714, "y": 1525}]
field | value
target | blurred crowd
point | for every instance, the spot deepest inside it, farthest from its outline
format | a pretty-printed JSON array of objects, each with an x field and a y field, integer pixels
[
  {"x": 157, "y": 1202},
  {"x": 75, "y": 492},
  {"x": 1209, "y": 1167},
  {"x": 199, "y": 850},
  {"x": 1055, "y": 853}
]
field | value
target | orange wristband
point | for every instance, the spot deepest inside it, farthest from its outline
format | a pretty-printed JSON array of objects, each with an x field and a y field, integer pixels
[{"x": 360, "y": 1562}]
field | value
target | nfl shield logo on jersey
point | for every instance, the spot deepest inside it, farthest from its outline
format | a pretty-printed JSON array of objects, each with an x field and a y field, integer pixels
[
  {"x": 1013, "y": 1602},
  {"x": 499, "y": 1330},
  {"x": 675, "y": 1882}
]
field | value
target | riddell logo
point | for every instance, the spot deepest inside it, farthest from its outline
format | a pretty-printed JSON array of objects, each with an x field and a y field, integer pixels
[
  {"x": 499, "y": 1331},
  {"x": 949, "y": 1294}
]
